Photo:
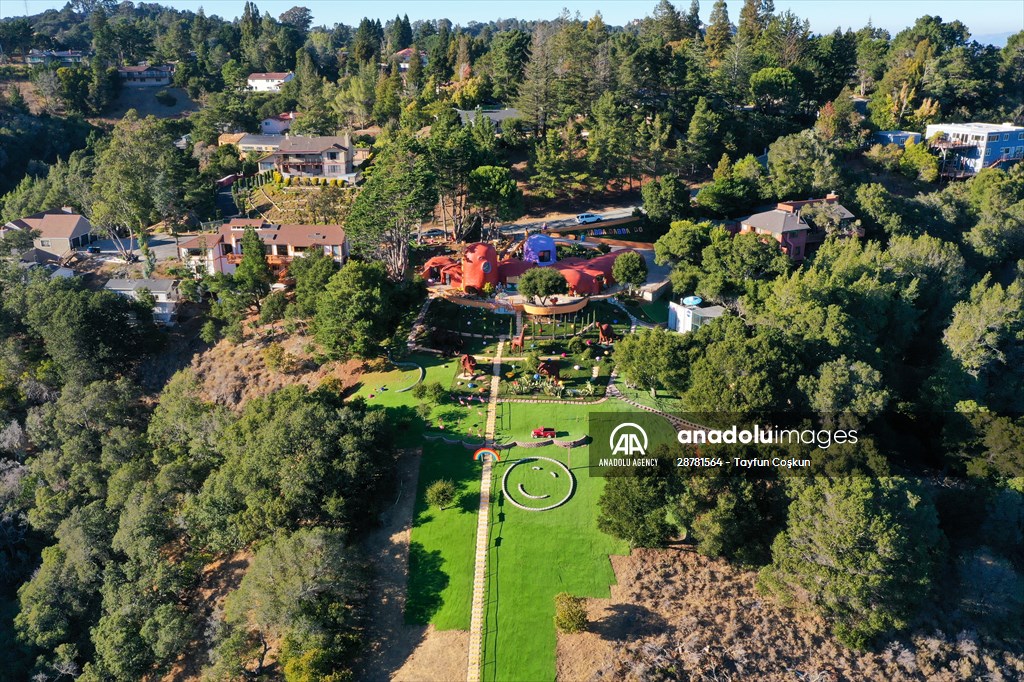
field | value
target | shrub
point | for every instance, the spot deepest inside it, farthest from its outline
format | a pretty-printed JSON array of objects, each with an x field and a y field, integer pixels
[
  {"x": 424, "y": 410},
  {"x": 273, "y": 355},
  {"x": 209, "y": 333},
  {"x": 576, "y": 345},
  {"x": 166, "y": 98},
  {"x": 570, "y": 613},
  {"x": 419, "y": 391},
  {"x": 532, "y": 362},
  {"x": 441, "y": 493}
]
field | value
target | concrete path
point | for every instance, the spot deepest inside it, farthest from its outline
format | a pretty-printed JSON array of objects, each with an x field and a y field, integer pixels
[{"x": 477, "y": 620}]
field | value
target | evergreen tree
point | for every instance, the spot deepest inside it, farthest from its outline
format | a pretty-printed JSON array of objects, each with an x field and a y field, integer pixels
[
  {"x": 718, "y": 34},
  {"x": 253, "y": 274}
]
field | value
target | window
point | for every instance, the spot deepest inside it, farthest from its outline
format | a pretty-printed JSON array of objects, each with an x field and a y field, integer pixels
[
  {"x": 988, "y": 152},
  {"x": 44, "y": 242},
  {"x": 333, "y": 156},
  {"x": 1020, "y": 136},
  {"x": 1006, "y": 137}
]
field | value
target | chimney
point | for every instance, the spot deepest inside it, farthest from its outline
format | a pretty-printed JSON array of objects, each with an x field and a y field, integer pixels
[{"x": 67, "y": 209}]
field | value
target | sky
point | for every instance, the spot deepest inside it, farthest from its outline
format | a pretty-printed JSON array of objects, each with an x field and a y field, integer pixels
[{"x": 985, "y": 18}]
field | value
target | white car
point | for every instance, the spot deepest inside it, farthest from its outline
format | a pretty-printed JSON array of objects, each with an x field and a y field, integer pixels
[{"x": 584, "y": 218}]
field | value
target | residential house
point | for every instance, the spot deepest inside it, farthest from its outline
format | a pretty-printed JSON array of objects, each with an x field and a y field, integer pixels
[
  {"x": 60, "y": 230},
  {"x": 166, "y": 299},
  {"x": 268, "y": 82},
  {"x": 34, "y": 259},
  {"x": 403, "y": 57},
  {"x": 230, "y": 138},
  {"x": 685, "y": 318},
  {"x": 60, "y": 57},
  {"x": 222, "y": 251},
  {"x": 497, "y": 116},
  {"x": 966, "y": 148},
  {"x": 313, "y": 157},
  {"x": 259, "y": 145},
  {"x": 146, "y": 75},
  {"x": 278, "y": 125},
  {"x": 896, "y": 137},
  {"x": 789, "y": 226}
]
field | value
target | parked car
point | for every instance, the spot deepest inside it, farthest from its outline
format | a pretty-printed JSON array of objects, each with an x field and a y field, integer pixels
[
  {"x": 585, "y": 218},
  {"x": 433, "y": 233},
  {"x": 93, "y": 249},
  {"x": 543, "y": 432}
]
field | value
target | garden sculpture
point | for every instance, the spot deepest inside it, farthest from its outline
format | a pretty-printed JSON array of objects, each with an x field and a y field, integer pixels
[{"x": 468, "y": 363}]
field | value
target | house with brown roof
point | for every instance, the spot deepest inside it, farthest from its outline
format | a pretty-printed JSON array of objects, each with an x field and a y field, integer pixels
[
  {"x": 313, "y": 157},
  {"x": 791, "y": 226},
  {"x": 60, "y": 230},
  {"x": 222, "y": 251},
  {"x": 146, "y": 75},
  {"x": 403, "y": 57},
  {"x": 269, "y": 81}
]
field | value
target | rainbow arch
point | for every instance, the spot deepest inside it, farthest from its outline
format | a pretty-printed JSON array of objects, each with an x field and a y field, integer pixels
[{"x": 482, "y": 452}]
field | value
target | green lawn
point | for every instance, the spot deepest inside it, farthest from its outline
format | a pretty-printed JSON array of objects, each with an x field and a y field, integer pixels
[
  {"x": 533, "y": 557},
  {"x": 441, "y": 550}
]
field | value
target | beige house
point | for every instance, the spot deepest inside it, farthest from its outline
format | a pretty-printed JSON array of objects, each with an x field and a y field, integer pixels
[
  {"x": 61, "y": 230},
  {"x": 166, "y": 299},
  {"x": 313, "y": 157},
  {"x": 222, "y": 251}
]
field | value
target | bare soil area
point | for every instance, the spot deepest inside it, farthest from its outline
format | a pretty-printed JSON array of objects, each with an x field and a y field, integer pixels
[
  {"x": 675, "y": 615},
  {"x": 233, "y": 374},
  {"x": 395, "y": 650}
]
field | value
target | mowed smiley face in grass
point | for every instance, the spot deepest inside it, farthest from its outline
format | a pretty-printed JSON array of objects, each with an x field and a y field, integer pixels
[{"x": 538, "y": 483}]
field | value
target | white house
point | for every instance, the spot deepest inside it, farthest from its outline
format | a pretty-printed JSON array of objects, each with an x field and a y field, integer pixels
[
  {"x": 278, "y": 125},
  {"x": 268, "y": 82},
  {"x": 689, "y": 318},
  {"x": 966, "y": 148},
  {"x": 164, "y": 292}
]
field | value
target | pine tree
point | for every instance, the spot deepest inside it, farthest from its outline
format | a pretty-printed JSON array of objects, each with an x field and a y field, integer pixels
[
  {"x": 691, "y": 22},
  {"x": 253, "y": 274},
  {"x": 536, "y": 95},
  {"x": 668, "y": 23},
  {"x": 719, "y": 31}
]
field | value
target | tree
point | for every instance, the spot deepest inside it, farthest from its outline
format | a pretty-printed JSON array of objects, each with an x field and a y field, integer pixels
[
  {"x": 510, "y": 52},
  {"x": 718, "y": 34},
  {"x": 312, "y": 273},
  {"x": 732, "y": 266},
  {"x": 859, "y": 551},
  {"x": 570, "y": 613},
  {"x": 668, "y": 24},
  {"x": 609, "y": 144},
  {"x": 801, "y": 166},
  {"x": 441, "y": 493},
  {"x": 536, "y": 93},
  {"x": 397, "y": 196},
  {"x": 701, "y": 137},
  {"x": 253, "y": 274},
  {"x": 654, "y": 359},
  {"x": 845, "y": 388},
  {"x": 305, "y": 590},
  {"x": 774, "y": 90},
  {"x": 666, "y": 199},
  {"x": 299, "y": 17},
  {"x": 356, "y": 313},
  {"x": 632, "y": 508},
  {"x": 985, "y": 334},
  {"x": 494, "y": 191},
  {"x": 630, "y": 268},
  {"x": 540, "y": 284},
  {"x": 683, "y": 243}
]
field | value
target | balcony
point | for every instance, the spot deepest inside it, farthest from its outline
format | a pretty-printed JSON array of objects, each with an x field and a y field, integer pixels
[{"x": 272, "y": 260}]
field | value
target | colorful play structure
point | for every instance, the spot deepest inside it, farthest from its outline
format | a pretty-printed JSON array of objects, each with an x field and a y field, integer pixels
[{"x": 480, "y": 266}]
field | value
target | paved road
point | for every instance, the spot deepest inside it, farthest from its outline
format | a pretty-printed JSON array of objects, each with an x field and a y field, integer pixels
[
  {"x": 610, "y": 214},
  {"x": 225, "y": 203}
]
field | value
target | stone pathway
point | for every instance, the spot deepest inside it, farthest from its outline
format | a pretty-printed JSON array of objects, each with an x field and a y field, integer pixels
[{"x": 483, "y": 536}]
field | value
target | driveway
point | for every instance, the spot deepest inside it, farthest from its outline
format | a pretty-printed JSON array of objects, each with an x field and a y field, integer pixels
[{"x": 163, "y": 247}]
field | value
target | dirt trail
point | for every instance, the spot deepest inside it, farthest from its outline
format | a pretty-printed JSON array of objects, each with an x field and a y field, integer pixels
[{"x": 397, "y": 651}]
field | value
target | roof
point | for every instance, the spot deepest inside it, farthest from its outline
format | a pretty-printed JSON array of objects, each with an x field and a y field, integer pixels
[
  {"x": 261, "y": 140},
  {"x": 156, "y": 286},
  {"x": 299, "y": 144},
  {"x": 786, "y": 216},
  {"x": 57, "y": 223},
  {"x": 286, "y": 116},
  {"x": 294, "y": 234},
  {"x": 230, "y": 138},
  {"x": 270, "y": 76},
  {"x": 496, "y": 115},
  {"x": 139, "y": 68},
  {"x": 976, "y": 127},
  {"x": 407, "y": 53},
  {"x": 710, "y": 311}
]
